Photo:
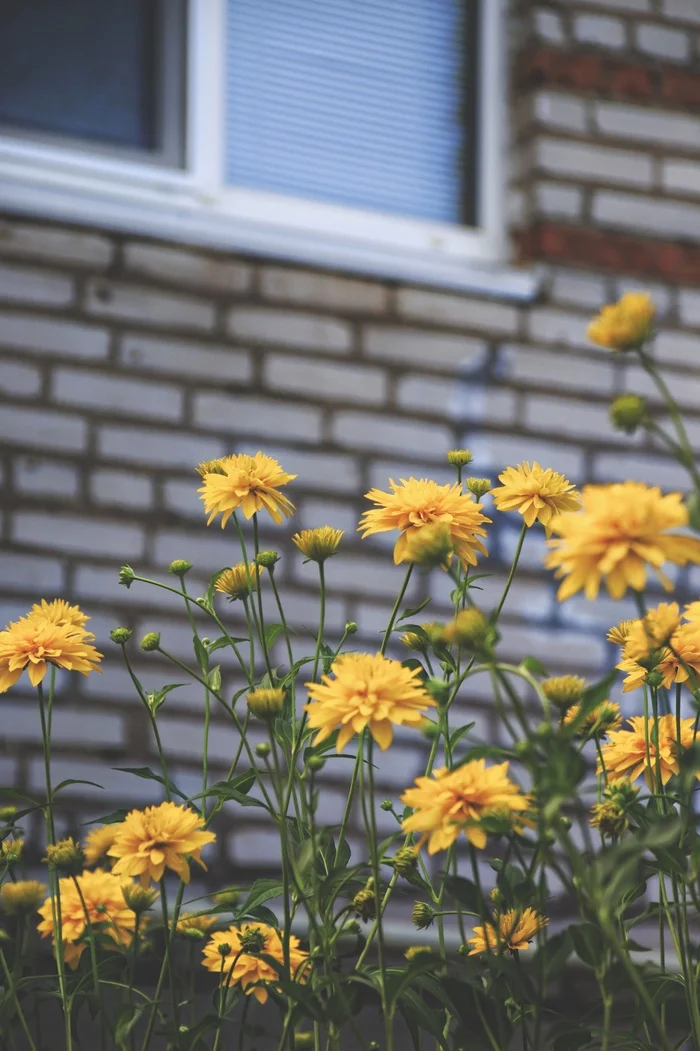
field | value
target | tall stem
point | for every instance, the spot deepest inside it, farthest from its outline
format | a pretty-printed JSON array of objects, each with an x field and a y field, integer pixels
[
  {"x": 15, "y": 1000},
  {"x": 511, "y": 574},
  {"x": 395, "y": 610}
]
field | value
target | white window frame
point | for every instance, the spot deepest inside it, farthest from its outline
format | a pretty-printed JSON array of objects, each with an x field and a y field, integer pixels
[{"x": 193, "y": 204}]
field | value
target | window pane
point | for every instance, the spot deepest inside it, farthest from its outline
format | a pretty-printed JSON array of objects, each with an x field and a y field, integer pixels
[
  {"x": 358, "y": 102},
  {"x": 83, "y": 68}
]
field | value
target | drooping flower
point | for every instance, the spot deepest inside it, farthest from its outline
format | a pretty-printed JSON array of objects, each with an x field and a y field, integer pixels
[
  {"x": 249, "y": 482},
  {"x": 660, "y": 642},
  {"x": 159, "y": 837},
  {"x": 98, "y": 841},
  {"x": 630, "y": 753},
  {"x": 598, "y": 721},
  {"x": 36, "y": 641},
  {"x": 624, "y": 325},
  {"x": 59, "y": 612},
  {"x": 225, "y": 955},
  {"x": 537, "y": 494},
  {"x": 101, "y": 896},
  {"x": 316, "y": 545},
  {"x": 23, "y": 896},
  {"x": 611, "y": 815},
  {"x": 366, "y": 691},
  {"x": 417, "y": 502},
  {"x": 622, "y": 529},
  {"x": 240, "y": 581},
  {"x": 516, "y": 929},
  {"x": 462, "y": 800}
]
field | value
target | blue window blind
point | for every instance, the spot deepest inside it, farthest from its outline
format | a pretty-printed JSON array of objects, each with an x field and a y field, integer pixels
[{"x": 356, "y": 102}]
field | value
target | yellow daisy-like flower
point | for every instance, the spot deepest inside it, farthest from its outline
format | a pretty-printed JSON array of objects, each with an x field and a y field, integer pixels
[
  {"x": 516, "y": 929},
  {"x": 159, "y": 837},
  {"x": 318, "y": 544},
  {"x": 600, "y": 720},
  {"x": 98, "y": 841},
  {"x": 212, "y": 466},
  {"x": 11, "y": 851},
  {"x": 457, "y": 801},
  {"x": 239, "y": 582},
  {"x": 36, "y": 641},
  {"x": 625, "y": 754},
  {"x": 535, "y": 493},
  {"x": 366, "y": 691},
  {"x": 622, "y": 529},
  {"x": 249, "y": 482},
  {"x": 59, "y": 612},
  {"x": 225, "y": 955},
  {"x": 618, "y": 634},
  {"x": 23, "y": 896},
  {"x": 655, "y": 629},
  {"x": 672, "y": 661},
  {"x": 624, "y": 325},
  {"x": 430, "y": 546},
  {"x": 193, "y": 921},
  {"x": 417, "y": 502},
  {"x": 564, "y": 690},
  {"x": 103, "y": 898}
]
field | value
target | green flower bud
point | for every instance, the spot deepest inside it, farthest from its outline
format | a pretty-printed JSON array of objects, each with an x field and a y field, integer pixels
[
  {"x": 267, "y": 559},
  {"x": 459, "y": 457},
  {"x": 405, "y": 861},
  {"x": 387, "y": 805},
  {"x": 351, "y": 628},
  {"x": 253, "y": 940},
  {"x": 262, "y": 750},
  {"x": 628, "y": 412},
  {"x": 438, "y": 689},
  {"x": 316, "y": 763},
  {"x": 150, "y": 641},
  {"x": 179, "y": 567},
  {"x": 126, "y": 576},
  {"x": 479, "y": 486},
  {"x": 422, "y": 915},
  {"x": 224, "y": 949},
  {"x": 654, "y": 679},
  {"x": 120, "y": 635}
]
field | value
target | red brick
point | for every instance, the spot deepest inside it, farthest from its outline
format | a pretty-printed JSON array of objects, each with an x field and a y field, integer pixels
[
  {"x": 631, "y": 82},
  {"x": 681, "y": 88}
]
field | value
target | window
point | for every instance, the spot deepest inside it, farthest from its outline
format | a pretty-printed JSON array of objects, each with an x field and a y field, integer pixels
[{"x": 349, "y": 133}]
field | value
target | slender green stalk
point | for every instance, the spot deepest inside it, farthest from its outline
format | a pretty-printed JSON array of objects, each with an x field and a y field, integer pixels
[
  {"x": 169, "y": 929},
  {"x": 93, "y": 958},
  {"x": 688, "y": 460},
  {"x": 511, "y": 574},
  {"x": 168, "y": 934},
  {"x": 258, "y": 592},
  {"x": 321, "y": 619},
  {"x": 15, "y": 999},
  {"x": 395, "y": 610}
]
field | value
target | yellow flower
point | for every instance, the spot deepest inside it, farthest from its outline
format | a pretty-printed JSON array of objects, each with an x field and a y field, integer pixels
[
  {"x": 192, "y": 921},
  {"x": 367, "y": 691},
  {"x": 318, "y": 544},
  {"x": 266, "y": 703},
  {"x": 564, "y": 690},
  {"x": 159, "y": 837},
  {"x": 655, "y": 629},
  {"x": 249, "y": 482},
  {"x": 59, "y": 612},
  {"x": 516, "y": 930},
  {"x": 101, "y": 896},
  {"x": 621, "y": 529},
  {"x": 23, "y": 896},
  {"x": 598, "y": 721},
  {"x": 623, "y": 325},
  {"x": 65, "y": 854},
  {"x": 239, "y": 582},
  {"x": 612, "y": 815},
  {"x": 11, "y": 850},
  {"x": 224, "y": 956},
  {"x": 431, "y": 546},
  {"x": 469, "y": 628},
  {"x": 98, "y": 841},
  {"x": 537, "y": 494},
  {"x": 457, "y": 801},
  {"x": 418, "y": 502},
  {"x": 618, "y": 634},
  {"x": 212, "y": 466},
  {"x": 35, "y": 641},
  {"x": 660, "y": 642},
  {"x": 626, "y": 751}
]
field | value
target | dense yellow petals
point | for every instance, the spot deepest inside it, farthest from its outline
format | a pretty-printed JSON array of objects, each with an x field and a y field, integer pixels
[
  {"x": 249, "y": 482},
  {"x": 535, "y": 493},
  {"x": 625, "y": 324},
  {"x": 51, "y": 633},
  {"x": 631, "y": 752},
  {"x": 224, "y": 956},
  {"x": 158, "y": 838},
  {"x": 516, "y": 929},
  {"x": 98, "y": 894}
]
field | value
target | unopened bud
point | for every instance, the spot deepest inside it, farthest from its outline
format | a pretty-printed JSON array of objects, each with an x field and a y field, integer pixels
[
  {"x": 179, "y": 567},
  {"x": 120, "y": 635},
  {"x": 126, "y": 576},
  {"x": 459, "y": 457},
  {"x": 316, "y": 763},
  {"x": 386, "y": 805},
  {"x": 253, "y": 940},
  {"x": 139, "y": 899},
  {"x": 405, "y": 861},
  {"x": 351, "y": 627},
  {"x": 65, "y": 855},
  {"x": 224, "y": 949},
  {"x": 422, "y": 915},
  {"x": 429, "y": 729},
  {"x": 438, "y": 689},
  {"x": 479, "y": 486},
  {"x": 267, "y": 559},
  {"x": 654, "y": 679},
  {"x": 228, "y": 898},
  {"x": 627, "y": 412},
  {"x": 365, "y": 903},
  {"x": 262, "y": 750},
  {"x": 150, "y": 641},
  {"x": 265, "y": 704}
]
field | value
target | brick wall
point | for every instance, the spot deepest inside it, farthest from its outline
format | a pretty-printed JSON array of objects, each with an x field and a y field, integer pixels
[{"x": 124, "y": 362}]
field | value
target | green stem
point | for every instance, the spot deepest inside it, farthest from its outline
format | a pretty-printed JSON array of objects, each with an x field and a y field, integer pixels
[
  {"x": 15, "y": 1000},
  {"x": 93, "y": 956},
  {"x": 169, "y": 928},
  {"x": 511, "y": 574},
  {"x": 395, "y": 610},
  {"x": 321, "y": 619},
  {"x": 258, "y": 592},
  {"x": 169, "y": 932},
  {"x": 688, "y": 461}
]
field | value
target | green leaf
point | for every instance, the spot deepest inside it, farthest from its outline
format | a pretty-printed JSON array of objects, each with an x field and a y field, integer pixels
[
  {"x": 588, "y": 943},
  {"x": 75, "y": 781},
  {"x": 414, "y": 610},
  {"x": 127, "y": 1018},
  {"x": 459, "y": 733},
  {"x": 201, "y": 653},
  {"x": 534, "y": 667},
  {"x": 224, "y": 641},
  {"x": 419, "y": 1016},
  {"x": 261, "y": 891},
  {"x": 156, "y": 699},
  {"x": 113, "y": 818},
  {"x": 148, "y": 775},
  {"x": 272, "y": 633},
  {"x": 466, "y": 892},
  {"x": 214, "y": 679}
]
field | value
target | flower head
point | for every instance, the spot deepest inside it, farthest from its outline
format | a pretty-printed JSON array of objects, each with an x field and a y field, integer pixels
[
  {"x": 214, "y": 466},
  {"x": 37, "y": 640},
  {"x": 59, "y": 612},
  {"x": 11, "y": 851},
  {"x": 564, "y": 690},
  {"x": 240, "y": 581},
  {"x": 621, "y": 530},
  {"x": 627, "y": 412},
  {"x": 224, "y": 955},
  {"x": 612, "y": 814},
  {"x": 139, "y": 899},
  {"x": 98, "y": 841},
  {"x": 159, "y": 837},
  {"x": 417, "y": 502},
  {"x": 660, "y": 642},
  {"x": 459, "y": 457},
  {"x": 366, "y": 691},
  {"x": 479, "y": 486},
  {"x": 318, "y": 544},
  {"x": 249, "y": 482},
  {"x": 266, "y": 703},
  {"x": 422, "y": 915},
  {"x": 619, "y": 632},
  {"x": 516, "y": 929},
  {"x": 469, "y": 628},
  {"x": 598, "y": 721},
  {"x": 98, "y": 894},
  {"x": 193, "y": 921},
  {"x": 23, "y": 896},
  {"x": 65, "y": 854},
  {"x": 431, "y": 546},
  {"x": 457, "y": 801},
  {"x": 624, "y": 325},
  {"x": 630, "y": 753},
  {"x": 537, "y": 494}
]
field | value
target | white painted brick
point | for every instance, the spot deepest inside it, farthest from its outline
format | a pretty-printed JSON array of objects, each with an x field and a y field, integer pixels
[
  {"x": 597, "y": 29},
  {"x": 683, "y": 10},
  {"x": 115, "y": 785},
  {"x": 684, "y": 388},
  {"x": 662, "y": 42},
  {"x": 323, "y": 290},
  {"x": 32, "y": 574},
  {"x": 527, "y": 598},
  {"x": 615, "y": 5},
  {"x": 253, "y": 847},
  {"x": 98, "y": 584},
  {"x": 257, "y": 416},
  {"x": 619, "y": 467},
  {"x": 185, "y": 268},
  {"x": 182, "y": 498},
  {"x": 380, "y": 471},
  {"x": 52, "y": 477},
  {"x": 515, "y": 208},
  {"x": 569, "y": 650},
  {"x": 301, "y": 610},
  {"x": 89, "y": 536},
  {"x": 648, "y": 125},
  {"x": 325, "y": 380},
  {"x": 8, "y": 770},
  {"x": 71, "y": 727},
  {"x": 669, "y": 218},
  {"x": 461, "y": 400},
  {"x": 560, "y": 111},
  {"x": 315, "y": 513},
  {"x": 183, "y": 738},
  {"x": 124, "y": 397},
  {"x": 556, "y": 326},
  {"x": 42, "y": 429},
  {"x": 179, "y": 358},
  {"x": 53, "y": 336},
  {"x": 601, "y": 614},
  {"x": 19, "y": 285},
  {"x": 659, "y": 293},
  {"x": 493, "y": 452},
  {"x": 305, "y": 331},
  {"x": 578, "y": 289},
  {"x": 458, "y": 311},
  {"x": 558, "y": 369},
  {"x": 570, "y": 419},
  {"x": 157, "y": 448},
  {"x": 424, "y": 347},
  {"x": 555, "y": 199},
  {"x": 121, "y": 489},
  {"x": 368, "y": 576},
  {"x": 584, "y": 161},
  {"x": 330, "y": 471},
  {"x": 19, "y": 379},
  {"x": 549, "y": 26},
  {"x": 53, "y": 244},
  {"x": 137, "y": 303},
  {"x": 383, "y": 434},
  {"x": 677, "y": 348},
  {"x": 681, "y": 175},
  {"x": 207, "y": 550},
  {"x": 689, "y": 307}
]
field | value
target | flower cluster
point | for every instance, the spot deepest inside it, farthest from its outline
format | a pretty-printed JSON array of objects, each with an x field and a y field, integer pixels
[{"x": 52, "y": 633}]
